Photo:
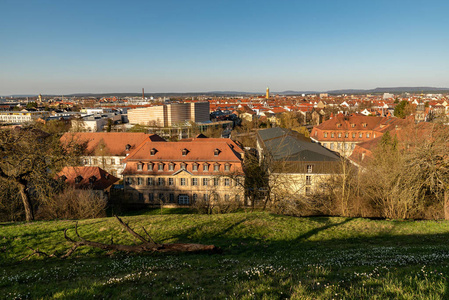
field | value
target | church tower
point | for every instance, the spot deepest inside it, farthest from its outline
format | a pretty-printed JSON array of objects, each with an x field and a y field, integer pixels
[{"x": 268, "y": 93}]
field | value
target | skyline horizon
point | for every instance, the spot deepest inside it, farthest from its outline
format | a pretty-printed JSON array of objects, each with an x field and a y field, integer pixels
[
  {"x": 261, "y": 92},
  {"x": 58, "y": 47}
]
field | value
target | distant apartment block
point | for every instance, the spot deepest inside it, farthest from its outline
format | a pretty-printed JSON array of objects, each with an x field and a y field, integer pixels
[
  {"x": 22, "y": 116},
  {"x": 170, "y": 114}
]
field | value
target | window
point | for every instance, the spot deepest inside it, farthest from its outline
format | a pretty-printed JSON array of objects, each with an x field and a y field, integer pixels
[
  {"x": 171, "y": 198},
  {"x": 346, "y": 146},
  {"x": 160, "y": 181},
  {"x": 367, "y": 135},
  {"x": 139, "y": 167},
  {"x": 184, "y": 152},
  {"x": 309, "y": 168},
  {"x": 195, "y": 167},
  {"x": 194, "y": 181},
  {"x": 183, "y": 181},
  {"x": 122, "y": 161},
  {"x": 308, "y": 180},
  {"x": 237, "y": 198},
  {"x": 92, "y": 179},
  {"x": 112, "y": 161},
  {"x": 139, "y": 180},
  {"x": 216, "y": 167},
  {"x": 171, "y": 166},
  {"x": 325, "y": 134},
  {"x": 150, "y": 181},
  {"x": 161, "y": 197},
  {"x": 353, "y": 135},
  {"x": 151, "y": 197},
  {"x": 216, "y": 152},
  {"x": 353, "y": 125},
  {"x": 205, "y": 197},
  {"x": 360, "y": 135},
  {"x": 86, "y": 161},
  {"x": 338, "y": 125},
  {"x": 183, "y": 199},
  {"x": 227, "y": 182},
  {"x": 364, "y": 124},
  {"x": 332, "y": 135},
  {"x": 194, "y": 197},
  {"x": 150, "y": 166},
  {"x": 205, "y": 181},
  {"x": 227, "y": 167},
  {"x": 160, "y": 167},
  {"x": 338, "y": 146},
  {"x": 216, "y": 182},
  {"x": 352, "y": 146},
  {"x": 346, "y": 135},
  {"x": 140, "y": 197},
  {"x": 308, "y": 190},
  {"x": 332, "y": 146},
  {"x": 78, "y": 179},
  {"x": 94, "y": 161},
  {"x": 153, "y": 152},
  {"x": 206, "y": 167},
  {"x": 171, "y": 181},
  {"x": 226, "y": 197},
  {"x": 374, "y": 135},
  {"x": 183, "y": 166},
  {"x": 128, "y": 181}
]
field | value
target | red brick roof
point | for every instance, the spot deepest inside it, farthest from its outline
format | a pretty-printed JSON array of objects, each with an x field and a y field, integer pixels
[
  {"x": 91, "y": 177},
  {"x": 198, "y": 150},
  {"x": 108, "y": 143}
]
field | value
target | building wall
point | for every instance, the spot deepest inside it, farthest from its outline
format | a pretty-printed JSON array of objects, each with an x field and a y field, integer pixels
[
  {"x": 112, "y": 164},
  {"x": 147, "y": 116},
  {"x": 166, "y": 189}
]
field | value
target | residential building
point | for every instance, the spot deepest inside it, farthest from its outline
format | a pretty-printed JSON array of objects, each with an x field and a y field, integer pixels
[
  {"x": 92, "y": 178},
  {"x": 297, "y": 165},
  {"x": 181, "y": 173},
  {"x": 14, "y": 117},
  {"x": 107, "y": 150},
  {"x": 342, "y": 132},
  {"x": 170, "y": 114}
]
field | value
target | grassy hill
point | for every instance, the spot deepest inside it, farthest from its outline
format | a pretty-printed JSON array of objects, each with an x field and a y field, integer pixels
[{"x": 264, "y": 256}]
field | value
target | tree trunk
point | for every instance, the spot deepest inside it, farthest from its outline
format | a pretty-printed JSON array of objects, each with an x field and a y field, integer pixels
[
  {"x": 29, "y": 214},
  {"x": 446, "y": 204}
]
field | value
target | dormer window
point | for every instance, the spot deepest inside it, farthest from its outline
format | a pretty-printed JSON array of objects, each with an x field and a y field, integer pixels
[
  {"x": 153, "y": 151},
  {"x": 92, "y": 179},
  {"x": 195, "y": 167},
  {"x": 227, "y": 167},
  {"x": 160, "y": 167},
  {"x": 150, "y": 166},
  {"x": 171, "y": 166},
  {"x": 139, "y": 166},
  {"x": 184, "y": 152},
  {"x": 216, "y": 167},
  {"x": 183, "y": 166},
  {"x": 63, "y": 178},
  {"x": 216, "y": 152},
  {"x": 78, "y": 179},
  {"x": 128, "y": 147},
  {"x": 364, "y": 124},
  {"x": 338, "y": 125},
  {"x": 206, "y": 167},
  {"x": 352, "y": 125}
]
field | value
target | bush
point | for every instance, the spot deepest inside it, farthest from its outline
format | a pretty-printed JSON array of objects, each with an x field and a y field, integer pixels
[{"x": 74, "y": 204}]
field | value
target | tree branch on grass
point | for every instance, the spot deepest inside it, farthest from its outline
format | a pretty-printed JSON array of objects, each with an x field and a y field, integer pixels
[{"x": 147, "y": 245}]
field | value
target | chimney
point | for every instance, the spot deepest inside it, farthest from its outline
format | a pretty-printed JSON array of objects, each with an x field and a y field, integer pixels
[{"x": 143, "y": 94}]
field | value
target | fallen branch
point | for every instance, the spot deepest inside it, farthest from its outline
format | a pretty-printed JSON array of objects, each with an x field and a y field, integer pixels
[{"x": 147, "y": 245}]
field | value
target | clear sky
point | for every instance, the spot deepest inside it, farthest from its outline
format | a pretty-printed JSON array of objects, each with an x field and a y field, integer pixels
[{"x": 63, "y": 47}]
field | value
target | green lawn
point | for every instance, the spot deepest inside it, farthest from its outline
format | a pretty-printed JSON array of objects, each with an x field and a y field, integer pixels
[{"x": 264, "y": 256}]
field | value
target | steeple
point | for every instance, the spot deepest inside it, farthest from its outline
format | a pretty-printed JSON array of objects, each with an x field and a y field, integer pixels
[{"x": 268, "y": 93}]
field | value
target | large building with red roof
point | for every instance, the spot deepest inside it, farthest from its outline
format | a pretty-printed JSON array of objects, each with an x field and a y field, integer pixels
[
  {"x": 181, "y": 173},
  {"x": 343, "y": 132},
  {"x": 107, "y": 150}
]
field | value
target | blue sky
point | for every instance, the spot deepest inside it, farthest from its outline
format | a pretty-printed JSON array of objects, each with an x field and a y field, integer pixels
[{"x": 63, "y": 47}]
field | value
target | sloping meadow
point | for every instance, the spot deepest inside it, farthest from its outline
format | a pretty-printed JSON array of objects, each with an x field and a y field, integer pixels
[{"x": 264, "y": 256}]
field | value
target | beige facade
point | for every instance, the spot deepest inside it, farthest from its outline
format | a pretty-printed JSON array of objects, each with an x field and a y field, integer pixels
[
  {"x": 170, "y": 114},
  {"x": 182, "y": 188}
]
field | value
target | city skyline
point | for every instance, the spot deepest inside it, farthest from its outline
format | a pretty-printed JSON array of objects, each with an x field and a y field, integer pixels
[{"x": 51, "y": 47}]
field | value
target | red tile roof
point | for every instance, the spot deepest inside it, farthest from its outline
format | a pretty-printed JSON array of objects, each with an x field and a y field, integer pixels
[
  {"x": 113, "y": 143},
  {"x": 91, "y": 177}
]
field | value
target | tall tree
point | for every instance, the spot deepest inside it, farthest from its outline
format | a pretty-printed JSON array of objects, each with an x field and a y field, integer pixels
[{"x": 30, "y": 160}]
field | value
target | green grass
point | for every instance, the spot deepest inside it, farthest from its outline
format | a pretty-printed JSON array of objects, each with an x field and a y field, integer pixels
[{"x": 264, "y": 256}]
